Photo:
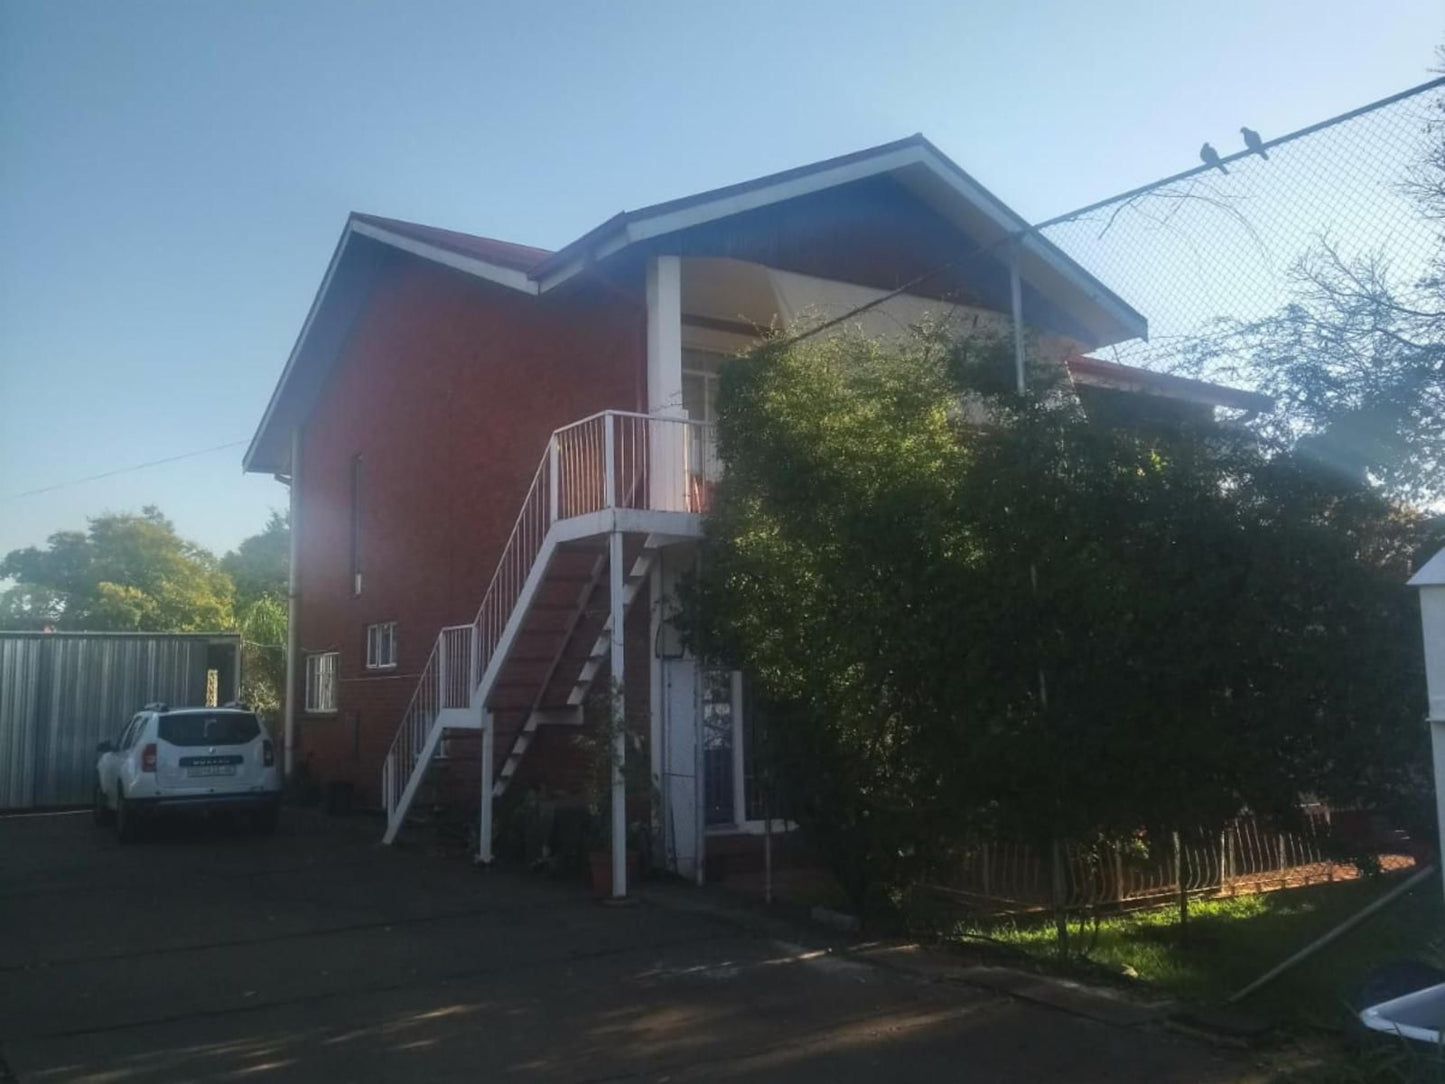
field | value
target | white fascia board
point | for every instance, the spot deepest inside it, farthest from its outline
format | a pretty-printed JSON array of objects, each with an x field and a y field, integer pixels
[
  {"x": 752, "y": 199},
  {"x": 737, "y": 203},
  {"x": 252, "y": 448},
  {"x": 1086, "y": 284},
  {"x": 562, "y": 274},
  {"x": 1036, "y": 246},
  {"x": 504, "y": 276}
]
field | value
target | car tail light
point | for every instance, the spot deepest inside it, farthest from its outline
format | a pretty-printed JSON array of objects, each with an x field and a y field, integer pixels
[
  {"x": 268, "y": 753},
  {"x": 148, "y": 758}
]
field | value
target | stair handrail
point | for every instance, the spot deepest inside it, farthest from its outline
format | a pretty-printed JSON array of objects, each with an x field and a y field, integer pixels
[{"x": 612, "y": 440}]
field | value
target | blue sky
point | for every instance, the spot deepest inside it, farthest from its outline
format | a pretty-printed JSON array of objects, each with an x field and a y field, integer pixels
[{"x": 173, "y": 176}]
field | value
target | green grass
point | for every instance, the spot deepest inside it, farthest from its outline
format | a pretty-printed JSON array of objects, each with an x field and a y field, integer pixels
[{"x": 1233, "y": 941}]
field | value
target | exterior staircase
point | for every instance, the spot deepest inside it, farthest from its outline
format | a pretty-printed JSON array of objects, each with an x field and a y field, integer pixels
[{"x": 544, "y": 629}]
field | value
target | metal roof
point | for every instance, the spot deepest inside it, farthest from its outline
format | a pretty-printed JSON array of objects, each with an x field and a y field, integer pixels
[
  {"x": 1111, "y": 374},
  {"x": 503, "y": 253}
]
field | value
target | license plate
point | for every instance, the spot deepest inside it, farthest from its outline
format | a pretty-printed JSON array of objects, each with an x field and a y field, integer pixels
[{"x": 212, "y": 769}]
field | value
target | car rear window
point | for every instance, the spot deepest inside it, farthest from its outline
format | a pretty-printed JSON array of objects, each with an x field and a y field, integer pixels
[{"x": 201, "y": 728}]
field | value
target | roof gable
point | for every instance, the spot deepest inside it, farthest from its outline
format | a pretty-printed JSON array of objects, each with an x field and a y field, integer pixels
[
  {"x": 927, "y": 173},
  {"x": 1051, "y": 280}
]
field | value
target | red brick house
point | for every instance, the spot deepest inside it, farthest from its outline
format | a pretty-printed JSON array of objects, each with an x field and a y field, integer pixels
[{"x": 499, "y": 458}]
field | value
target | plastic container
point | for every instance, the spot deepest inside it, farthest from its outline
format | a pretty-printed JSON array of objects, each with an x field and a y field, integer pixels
[{"x": 1419, "y": 1016}]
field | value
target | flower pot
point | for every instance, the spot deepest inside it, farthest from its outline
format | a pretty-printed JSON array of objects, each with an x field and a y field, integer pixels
[{"x": 600, "y": 865}]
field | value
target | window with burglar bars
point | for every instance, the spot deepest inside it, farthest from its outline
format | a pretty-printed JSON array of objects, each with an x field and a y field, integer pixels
[
  {"x": 321, "y": 683},
  {"x": 381, "y": 646}
]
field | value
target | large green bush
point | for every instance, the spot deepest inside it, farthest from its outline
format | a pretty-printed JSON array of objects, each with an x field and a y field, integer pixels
[{"x": 969, "y": 610}]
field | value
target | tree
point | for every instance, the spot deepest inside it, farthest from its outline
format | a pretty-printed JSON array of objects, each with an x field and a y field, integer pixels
[
  {"x": 974, "y": 611},
  {"x": 259, "y": 566},
  {"x": 134, "y": 573},
  {"x": 829, "y": 538},
  {"x": 124, "y": 573},
  {"x": 262, "y": 622}
]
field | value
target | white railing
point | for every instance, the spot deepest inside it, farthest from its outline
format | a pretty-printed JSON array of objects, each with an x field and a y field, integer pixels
[
  {"x": 456, "y": 659},
  {"x": 614, "y": 459},
  {"x": 410, "y": 741}
]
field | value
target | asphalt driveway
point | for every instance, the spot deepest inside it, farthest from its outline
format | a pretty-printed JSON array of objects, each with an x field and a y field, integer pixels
[{"x": 318, "y": 955}]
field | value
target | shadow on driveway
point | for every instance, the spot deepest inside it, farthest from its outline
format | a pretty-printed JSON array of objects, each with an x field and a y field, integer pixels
[{"x": 210, "y": 953}]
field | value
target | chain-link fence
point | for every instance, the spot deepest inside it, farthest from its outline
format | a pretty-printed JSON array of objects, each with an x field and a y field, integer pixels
[{"x": 1205, "y": 254}]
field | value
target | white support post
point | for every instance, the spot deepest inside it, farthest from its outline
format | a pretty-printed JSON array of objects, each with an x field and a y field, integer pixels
[
  {"x": 484, "y": 825},
  {"x": 609, "y": 461},
  {"x": 1016, "y": 295},
  {"x": 667, "y": 485},
  {"x": 1430, "y": 581},
  {"x": 554, "y": 477},
  {"x": 664, "y": 336},
  {"x": 619, "y": 705}
]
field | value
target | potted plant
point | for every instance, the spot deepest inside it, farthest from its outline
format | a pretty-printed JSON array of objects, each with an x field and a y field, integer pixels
[{"x": 605, "y": 724}]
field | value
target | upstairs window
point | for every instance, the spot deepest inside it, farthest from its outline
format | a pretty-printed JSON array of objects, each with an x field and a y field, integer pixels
[
  {"x": 321, "y": 683},
  {"x": 381, "y": 646}
]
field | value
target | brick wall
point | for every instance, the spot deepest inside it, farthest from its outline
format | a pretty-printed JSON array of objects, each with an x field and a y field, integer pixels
[{"x": 447, "y": 389}]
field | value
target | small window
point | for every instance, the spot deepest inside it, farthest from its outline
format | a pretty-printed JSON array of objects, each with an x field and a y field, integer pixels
[
  {"x": 321, "y": 683},
  {"x": 381, "y": 646}
]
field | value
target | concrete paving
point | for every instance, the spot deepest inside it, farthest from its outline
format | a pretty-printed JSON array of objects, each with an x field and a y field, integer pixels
[{"x": 208, "y": 953}]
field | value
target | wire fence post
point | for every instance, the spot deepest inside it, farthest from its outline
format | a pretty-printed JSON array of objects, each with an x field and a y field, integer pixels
[
  {"x": 1181, "y": 886},
  {"x": 1059, "y": 894}
]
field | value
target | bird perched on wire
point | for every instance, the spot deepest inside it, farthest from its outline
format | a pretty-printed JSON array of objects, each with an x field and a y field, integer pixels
[
  {"x": 1210, "y": 157},
  {"x": 1253, "y": 142}
]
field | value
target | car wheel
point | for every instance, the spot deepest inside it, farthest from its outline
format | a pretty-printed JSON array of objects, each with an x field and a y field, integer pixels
[
  {"x": 103, "y": 813},
  {"x": 126, "y": 828}
]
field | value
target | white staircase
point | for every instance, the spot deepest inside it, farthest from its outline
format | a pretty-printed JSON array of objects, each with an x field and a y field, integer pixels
[{"x": 645, "y": 477}]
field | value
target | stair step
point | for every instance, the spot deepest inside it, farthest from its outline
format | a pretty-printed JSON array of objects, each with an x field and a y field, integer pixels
[{"x": 566, "y": 631}]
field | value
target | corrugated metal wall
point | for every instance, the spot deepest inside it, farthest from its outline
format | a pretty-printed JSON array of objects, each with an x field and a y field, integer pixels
[{"x": 61, "y": 693}]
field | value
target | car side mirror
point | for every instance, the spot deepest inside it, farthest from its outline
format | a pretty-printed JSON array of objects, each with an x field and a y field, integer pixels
[{"x": 105, "y": 747}]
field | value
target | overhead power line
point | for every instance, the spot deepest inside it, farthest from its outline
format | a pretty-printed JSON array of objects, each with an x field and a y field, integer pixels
[{"x": 122, "y": 470}]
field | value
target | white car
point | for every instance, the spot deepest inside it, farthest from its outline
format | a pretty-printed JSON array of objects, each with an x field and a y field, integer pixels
[{"x": 187, "y": 760}]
